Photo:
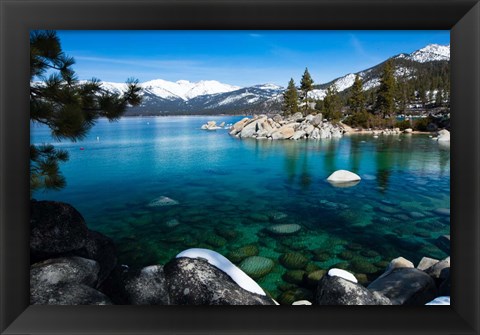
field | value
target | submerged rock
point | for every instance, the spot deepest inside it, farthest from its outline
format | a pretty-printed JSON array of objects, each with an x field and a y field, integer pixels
[
  {"x": 284, "y": 229},
  {"x": 443, "y": 242},
  {"x": 162, "y": 201},
  {"x": 241, "y": 253},
  {"x": 294, "y": 276},
  {"x": 293, "y": 261},
  {"x": 257, "y": 266},
  {"x": 172, "y": 223}
]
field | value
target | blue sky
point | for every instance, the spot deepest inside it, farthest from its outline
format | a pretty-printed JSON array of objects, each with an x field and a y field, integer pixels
[{"x": 240, "y": 58}]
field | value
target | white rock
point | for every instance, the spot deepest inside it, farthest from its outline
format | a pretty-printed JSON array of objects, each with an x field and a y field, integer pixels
[
  {"x": 408, "y": 131},
  {"x": 298, "y": 135},
  {"x": 301, "y": 303},
  {"x": 399, "y": 262},
  {"x": 222, "y": 263},
  {"x": 343, "y": 176},
  {"x": 439, "y": 301},
  {"x": 443, "y": 136},
  {"x": 342, "y": 274}
]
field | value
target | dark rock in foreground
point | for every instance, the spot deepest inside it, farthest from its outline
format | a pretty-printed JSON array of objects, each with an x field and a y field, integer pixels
[
  {"x": 406, "y": 286},
  {"x": 101, "y": 249},
  {"x": 149, "y": 287},
  {"x": 66, "y": 281},
  {"x": 196, "y": 282},
  {"x": 56, "y": 227},
  {"x": 72, "y": 294},
  {"x": 334, "y": 290}
]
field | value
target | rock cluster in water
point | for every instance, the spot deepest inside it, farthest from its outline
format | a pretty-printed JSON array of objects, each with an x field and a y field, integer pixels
[
  {"x": 212, "y": 125},
  {"x": 72, "y": 265},
  {"x": 295, "y": 127}
]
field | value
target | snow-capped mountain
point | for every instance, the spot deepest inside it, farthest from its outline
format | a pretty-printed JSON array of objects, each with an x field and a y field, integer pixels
[
  {"x": 406, "y": 65},
  {"x": 212, "y": 97},
  {"x": 430, "y": 53}
]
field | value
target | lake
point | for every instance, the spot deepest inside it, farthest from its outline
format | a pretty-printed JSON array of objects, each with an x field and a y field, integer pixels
[{"x": 230, "y": 191}]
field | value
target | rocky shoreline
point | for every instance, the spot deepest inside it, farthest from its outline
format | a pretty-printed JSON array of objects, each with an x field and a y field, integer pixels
[
  {"x": 72, "y": 265},
  {"x": 314, "y": 127}
]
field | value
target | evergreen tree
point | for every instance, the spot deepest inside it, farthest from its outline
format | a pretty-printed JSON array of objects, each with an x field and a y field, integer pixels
[
  {"x": 357, "y": 99},
  {"x": 402, "y": 94},
  {"x": 306, "y": 85},
  {"x": 385, "y": 103},
  {"x": 332, "y": 104},
  {"x": 68, "y": 107},
  {"x": 290, "y": 99}
]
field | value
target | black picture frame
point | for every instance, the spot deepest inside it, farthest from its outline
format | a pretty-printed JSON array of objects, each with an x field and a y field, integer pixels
[{"x": 17, "y": 17}]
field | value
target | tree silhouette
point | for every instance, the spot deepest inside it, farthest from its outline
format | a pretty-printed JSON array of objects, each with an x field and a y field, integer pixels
[{"x": 69, "y": 107}]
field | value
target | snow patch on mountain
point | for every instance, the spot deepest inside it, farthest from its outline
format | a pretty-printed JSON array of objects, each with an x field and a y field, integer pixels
[
  {"x": 345, "y": 82},
  {"x": 430, "y": 53},
  {"x": 317, "y": 94},
  {"x": 375, "y": 82}
]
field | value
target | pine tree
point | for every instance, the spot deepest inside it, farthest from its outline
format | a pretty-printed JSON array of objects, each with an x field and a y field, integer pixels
[
  {"x": 68, "y": 107},
  {"x": 385, "y": 103},
  {"x": 357, "y": 99},
  {"x": 290, "y": 99},
  {"x": 402, "y": 94},
  {"x": 332, "y": 104},
  {"x": 306, "y": 85}
]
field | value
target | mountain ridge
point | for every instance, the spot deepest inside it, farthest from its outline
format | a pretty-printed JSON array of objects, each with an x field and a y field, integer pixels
[{"x": 210, "y": 96}]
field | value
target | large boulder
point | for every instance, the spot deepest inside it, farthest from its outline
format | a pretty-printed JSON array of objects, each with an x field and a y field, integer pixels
[
  {"x": 335, "y": 290},
  {"x": 238, "y": 126},
  {"x": 399, "y": 262},
  {"x": 66, "y": 281},
  {"x": 283, "y": 133},
  {"x": 55, "y": 228},
  {"x": 426, "y": 262},
  {"x": 70, "y": 295},
  {"x": 251, "y": 128},
  {"x": 194, "y": 281},
  {"x": 297, "y": 117},
  {"x": 317, "y": 120},
  {"x": 439, "y": 271},
  {"x": 298, "y": 134},
  {"x": 101, "y": 249},
  {"x": 148, "y": 287},
  {"x": 405, "y": 286}
]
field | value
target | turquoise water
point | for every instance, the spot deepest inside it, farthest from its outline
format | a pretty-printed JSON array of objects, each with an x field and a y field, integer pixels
[{"x": 230, "y": 190}]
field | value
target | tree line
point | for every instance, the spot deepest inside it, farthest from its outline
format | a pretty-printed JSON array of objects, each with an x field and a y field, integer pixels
[{"x": 427, "y": 89}]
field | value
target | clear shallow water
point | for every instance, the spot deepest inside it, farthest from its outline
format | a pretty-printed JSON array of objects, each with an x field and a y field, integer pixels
[{"x": 228, "y": 190}]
